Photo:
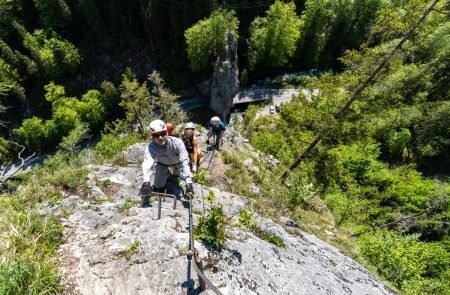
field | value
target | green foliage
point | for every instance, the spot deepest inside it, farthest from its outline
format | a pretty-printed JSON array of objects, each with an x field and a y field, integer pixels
[
  {"x": 433, "y": 136},
  {"x": 206, "y": 39},
  {"x": 339, "y": 205},
  {"x": 113, "y": 142},
  {"x": 128, "y": 204},
  {"x": 409, "y": 263},
  {"x": 63, "y": 171},
  {"x": 398, "y": 141},
  {"x": 10, "y": 81},
  {"x": 8, "y": 151},
  {"x": 245, "y": 218},
  {"x": 70, "y": 143},
  {"x": 36, "y": 134},
  {"x": 267, "y": 236},
  {"x": 23, "y": 276},
  {"x": 165, "y": 100},
  {"x": 70, "y": 118},
  {"x": 133, "y": 248},
  {"x": 92, "y": 108},
  {"x": 54, "y": 14},
  {"x": 201, "y": 176},
  {"x": 210, "y": 197},
  {"x": 106, "y": 183},
  {"x": 273, "y": 38},
  {"x": 238, "y": 174},
  {"x": 329, "y": 27},
  {"x": 54, "y": 56},
  {"x": 211, "y": 228},
  {"x": 140, "y": 103},
  {"x": 29, "y": 243},
  {"x": 31, "y": 234},
  {"x": 298, "y": 192}
]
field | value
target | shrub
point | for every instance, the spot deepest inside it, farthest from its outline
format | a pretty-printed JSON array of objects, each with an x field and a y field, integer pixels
[
  {"x": 112, "y": 145},
  {"x": 245, "y": 218},
  {"x": 211, "y": 228},
  {"x": 404, "y": 260}
]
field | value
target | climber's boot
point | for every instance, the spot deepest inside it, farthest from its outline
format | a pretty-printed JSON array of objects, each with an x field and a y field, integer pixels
[{"x": 145, "y": 201}]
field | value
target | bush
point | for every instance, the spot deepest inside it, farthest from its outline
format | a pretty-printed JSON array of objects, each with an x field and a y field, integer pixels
[
  {"x": 211, "y": 228},
  {"x": 112, "y": 145},
  {"x": 404, "y": 260},
  {"x": 62, "y": 171}
]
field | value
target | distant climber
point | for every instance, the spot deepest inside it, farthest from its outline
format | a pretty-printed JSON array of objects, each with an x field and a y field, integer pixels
[
  {"x": 190, "y": 142},
  {"x": 171, "y": 158},
  {"x": 216, "y": 129}
]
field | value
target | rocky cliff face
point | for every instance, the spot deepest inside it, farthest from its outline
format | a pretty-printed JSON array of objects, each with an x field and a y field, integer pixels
[
  {"x": 225, "y": 81},
  {"x": 112, "y": 246}
]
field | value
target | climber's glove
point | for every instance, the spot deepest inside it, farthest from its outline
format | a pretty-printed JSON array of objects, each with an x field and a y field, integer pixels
[
  {"x": 146, "y": 189},
  {"x": 189, "y": 189}
]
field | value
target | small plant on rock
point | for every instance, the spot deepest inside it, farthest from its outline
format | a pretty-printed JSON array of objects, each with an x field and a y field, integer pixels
[
  {"x": 132, "y": 249},
  {"x": 267, "y": 235},
  {"x": 201, "y": 176},
  {"x": 106, "y": 183},
  {"x": 128, "y": 204},
  {"x": 211, "y": 196},
  {"x": 245, "y": 218},
  {"x": 211, "y": 228}
]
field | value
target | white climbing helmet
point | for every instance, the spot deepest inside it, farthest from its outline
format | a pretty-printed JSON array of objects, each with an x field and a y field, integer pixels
[
  {"x": 157, "y": 126},
  {"x": 215, "y": 120},
  {"x": 189, "y": 125}
]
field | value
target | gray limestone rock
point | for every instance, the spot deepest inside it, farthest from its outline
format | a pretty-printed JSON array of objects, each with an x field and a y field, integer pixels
[
  {"x": 225, "y": 81},
  {"x": 109, "y": 249}
]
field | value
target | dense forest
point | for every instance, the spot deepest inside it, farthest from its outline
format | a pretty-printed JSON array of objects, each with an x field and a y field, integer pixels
[{"x": 381, "y": 156}]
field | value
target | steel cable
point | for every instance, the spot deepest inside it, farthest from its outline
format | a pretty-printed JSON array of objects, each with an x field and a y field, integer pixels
[{"x": 191, "y": 251}]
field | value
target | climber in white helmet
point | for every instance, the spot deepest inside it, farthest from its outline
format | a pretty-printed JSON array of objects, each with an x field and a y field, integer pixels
[
  {"x": 171, "y": 158},
  {"x": 216, "y": 129}
]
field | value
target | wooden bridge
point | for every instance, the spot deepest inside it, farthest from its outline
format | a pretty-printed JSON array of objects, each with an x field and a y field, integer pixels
[{"x": 264, "y": 94}]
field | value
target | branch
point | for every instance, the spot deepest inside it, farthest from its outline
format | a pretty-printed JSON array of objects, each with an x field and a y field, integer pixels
[{"x": 403, "y": 219}]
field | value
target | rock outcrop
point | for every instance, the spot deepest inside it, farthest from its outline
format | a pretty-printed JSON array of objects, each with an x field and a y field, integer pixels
[
  {"x": 112, "y": 246},
  {"x": 225, "y": 81}
]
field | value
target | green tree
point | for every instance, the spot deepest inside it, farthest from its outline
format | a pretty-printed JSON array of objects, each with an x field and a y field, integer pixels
[
  {"x": 54, "y": 14},
  {"x": 137, "y": 101},
  {"x": 273, "y": 38},
  {"x": 165, "y": 100},
  {"x": 54, "y": 55},
  {"x": 70, "y": 143},
  {"x": 9, "y": 82},
  {"x": 92, "y": 109},
  {"x": 36, "y": 134},
  {"x": 206, "y": 39}
]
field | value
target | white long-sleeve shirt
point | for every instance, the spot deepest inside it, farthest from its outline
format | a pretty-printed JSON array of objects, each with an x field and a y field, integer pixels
[{"x": 172, "y": 153}]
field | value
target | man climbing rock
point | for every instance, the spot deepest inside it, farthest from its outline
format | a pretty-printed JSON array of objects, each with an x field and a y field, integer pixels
[
  {"x": 216, "y": 129},
  {"x": 171, "y": 158},
  {"x": 190, "y": 142}
]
